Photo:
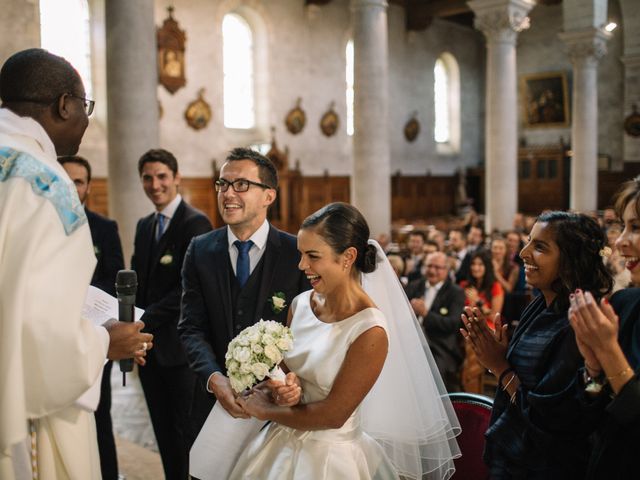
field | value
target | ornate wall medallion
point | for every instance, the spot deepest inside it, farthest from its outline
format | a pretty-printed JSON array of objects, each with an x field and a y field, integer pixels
[
  {"x": 330, "y": 122},
  {"x": 296, "y": 119},
  {"x": 412, "y": 128},
  {"x": 632, "y": 122},
  {"x": 198, "y": 112},
  {"x": 171, "y": 46}
]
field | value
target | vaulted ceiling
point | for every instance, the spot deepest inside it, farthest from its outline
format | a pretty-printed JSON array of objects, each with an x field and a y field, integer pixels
[{"x": 420, "y": 13}]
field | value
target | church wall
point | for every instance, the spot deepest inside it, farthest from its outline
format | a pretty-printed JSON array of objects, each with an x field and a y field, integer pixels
[
  {"x": 303, "y": 52},
  {"x": 540, "y": 50}
]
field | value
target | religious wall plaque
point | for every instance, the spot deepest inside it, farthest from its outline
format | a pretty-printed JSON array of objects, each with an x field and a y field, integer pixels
[
  {"x": 412, "y": 128},
  {"x": 632, "y": 122},
  {"x": 198, "y": 112},
  {"x": 296, "y": 118},
  {"x": 329, "y": 122},
  {"x": 171, "y": 46}
]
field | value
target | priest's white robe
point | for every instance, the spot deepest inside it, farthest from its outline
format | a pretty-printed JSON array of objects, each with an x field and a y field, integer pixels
[{"x": 49, "y": 354}]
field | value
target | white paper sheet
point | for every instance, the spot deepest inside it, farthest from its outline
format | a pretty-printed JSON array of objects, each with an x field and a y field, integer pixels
[
  {"x": 220, "y": 443},
  {"x": 99, "y": 307}
]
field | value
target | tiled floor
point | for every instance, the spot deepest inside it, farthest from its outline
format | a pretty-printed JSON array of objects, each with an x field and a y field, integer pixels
[{"x": 137, "y": 450}]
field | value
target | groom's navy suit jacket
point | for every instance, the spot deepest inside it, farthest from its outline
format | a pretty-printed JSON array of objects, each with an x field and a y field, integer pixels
[{"x": 208, "y": 321}]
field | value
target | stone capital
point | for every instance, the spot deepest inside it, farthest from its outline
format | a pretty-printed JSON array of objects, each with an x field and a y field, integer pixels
[
  {"x": 501, "y": 20},
  {"x": 585, "y": 46}
]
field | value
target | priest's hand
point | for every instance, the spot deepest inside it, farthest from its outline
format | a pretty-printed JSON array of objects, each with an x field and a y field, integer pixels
[{"x": 126, "y": 340}]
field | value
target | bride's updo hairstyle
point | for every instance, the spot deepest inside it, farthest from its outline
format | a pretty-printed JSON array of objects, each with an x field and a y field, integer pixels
[{"x": 342, "y": 226}]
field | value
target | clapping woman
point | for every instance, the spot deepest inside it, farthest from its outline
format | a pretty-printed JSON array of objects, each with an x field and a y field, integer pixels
[
  {"x": 538, "y": 429},
  {"x": 610, "y": 345}
]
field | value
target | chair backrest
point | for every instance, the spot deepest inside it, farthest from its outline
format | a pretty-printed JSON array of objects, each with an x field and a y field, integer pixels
[{"x": 474, "y": 412}]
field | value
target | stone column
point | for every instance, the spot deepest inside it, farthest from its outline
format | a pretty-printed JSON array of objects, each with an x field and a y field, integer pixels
[
  {"x": 631, "y": 145},
  {"x": 132, "y": 108},
  {"x": 501, "y": 21},
  {"x": 371, "y": 178},
  {"x": 585, "y": 47}
]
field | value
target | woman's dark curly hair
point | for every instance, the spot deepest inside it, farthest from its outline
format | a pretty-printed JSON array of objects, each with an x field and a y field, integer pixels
[
  {"x": 488, "y": 279},
  {"x": 580, "y": 240},
  {"x": 343, "y": 226}
]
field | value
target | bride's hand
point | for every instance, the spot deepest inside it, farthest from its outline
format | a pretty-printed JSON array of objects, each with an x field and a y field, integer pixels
[
  {"x": 256, "y": 403},
  {"x": 286, "y": 394}
]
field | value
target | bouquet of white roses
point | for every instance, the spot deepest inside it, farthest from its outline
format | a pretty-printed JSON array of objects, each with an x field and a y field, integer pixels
[{"x": 256, "y": 352}]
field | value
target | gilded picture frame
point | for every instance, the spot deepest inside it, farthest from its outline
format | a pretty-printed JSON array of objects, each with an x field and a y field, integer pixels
[{"x": 545, "y": 100}]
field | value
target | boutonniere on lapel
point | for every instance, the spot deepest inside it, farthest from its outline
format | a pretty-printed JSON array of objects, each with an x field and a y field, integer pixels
[
  {"x": 166, "y": 259},
  {"x": 96, "y": 251},
  {"x": 278, "y": 302},
  {"x": 444, "y": 311}
]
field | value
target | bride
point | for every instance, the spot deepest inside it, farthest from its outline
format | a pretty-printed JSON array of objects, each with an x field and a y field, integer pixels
[{"x": 372, "y": 405}]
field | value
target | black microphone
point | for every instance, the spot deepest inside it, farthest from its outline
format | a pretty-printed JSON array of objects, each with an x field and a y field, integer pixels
[{"x": 126, "y": 286}]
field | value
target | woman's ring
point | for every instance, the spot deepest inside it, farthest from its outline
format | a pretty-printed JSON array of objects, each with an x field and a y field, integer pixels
[{"x": 144, "y": 346}]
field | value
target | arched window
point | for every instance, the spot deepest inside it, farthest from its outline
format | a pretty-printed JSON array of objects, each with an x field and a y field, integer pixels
[
  {"x": 446, "y": 99},
  {"x": 65, "y": 31},
  {"x": 238, "y": 62},
  {"x": 349, "y": 79}
]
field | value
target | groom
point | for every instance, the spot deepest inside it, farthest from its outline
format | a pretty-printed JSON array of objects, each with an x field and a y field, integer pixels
[{"x": 234, "y": 276}]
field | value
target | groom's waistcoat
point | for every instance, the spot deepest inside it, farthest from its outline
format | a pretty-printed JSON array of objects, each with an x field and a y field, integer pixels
[{"x": 244, "y": 300}]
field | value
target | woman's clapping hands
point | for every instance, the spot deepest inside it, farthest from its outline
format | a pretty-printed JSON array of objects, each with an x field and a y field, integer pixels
[{"x": 490, "y": 346}]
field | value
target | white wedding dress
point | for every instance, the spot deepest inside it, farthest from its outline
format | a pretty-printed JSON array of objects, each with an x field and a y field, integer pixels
[{"x": 283, "y": 453}]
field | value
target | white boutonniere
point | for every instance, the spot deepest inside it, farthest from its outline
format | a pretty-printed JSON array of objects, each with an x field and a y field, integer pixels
[
  {"x": 444, "y": 311},
  {"x": 166, "y": 259},
  {"x": 278, "y": 302}
]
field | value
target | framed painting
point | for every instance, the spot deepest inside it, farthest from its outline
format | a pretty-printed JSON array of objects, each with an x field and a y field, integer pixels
[{"x": 545, "y": 100}]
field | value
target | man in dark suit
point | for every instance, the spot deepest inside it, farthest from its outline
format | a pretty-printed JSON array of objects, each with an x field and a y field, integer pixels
[
  {"x": 160, "y": 244},
  {"x": 108, "y": 250},
  {"x": 415, "y": 260},
  {"x": 438, "y": 304},
  {"x": 229, "y": 284}
]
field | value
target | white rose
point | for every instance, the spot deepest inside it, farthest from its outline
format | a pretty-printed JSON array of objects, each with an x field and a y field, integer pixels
[
  {"x": 273, "y": 353},
  {"x": 254, "y": 336},
  {"x": 232, "y": 366},
  {"x": 268, "y": 339},
  {"x": 260, "y": 370},
  {"x": 248, "y": 380},
  {"x": 278, "y": 302},
  {"x": 257, "y": 348},
  {"x": 243, "y": 340},
  {"x": 242, "y": 354},
  {"x": 236, "y": 384},
  {"x": 245, "y": 368},
  {"x": 285, "y": 343},
  {"x": 273, "y": 327}
]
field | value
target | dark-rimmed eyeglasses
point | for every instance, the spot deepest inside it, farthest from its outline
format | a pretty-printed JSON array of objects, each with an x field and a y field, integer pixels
[
  {"x": 239, "y": 185},
  {"x": 88, "y": 103}
]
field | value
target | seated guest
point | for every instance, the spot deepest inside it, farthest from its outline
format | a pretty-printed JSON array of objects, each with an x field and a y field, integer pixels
[
  {"x": 482, "y": 290},
  {"x": 413, "y": 269},
  {"x": 398, "y": 265},
  {"x": 505, "y": 270},
  {"x": 430, "y": 246},
  {"x": 438, "y": 303}
]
